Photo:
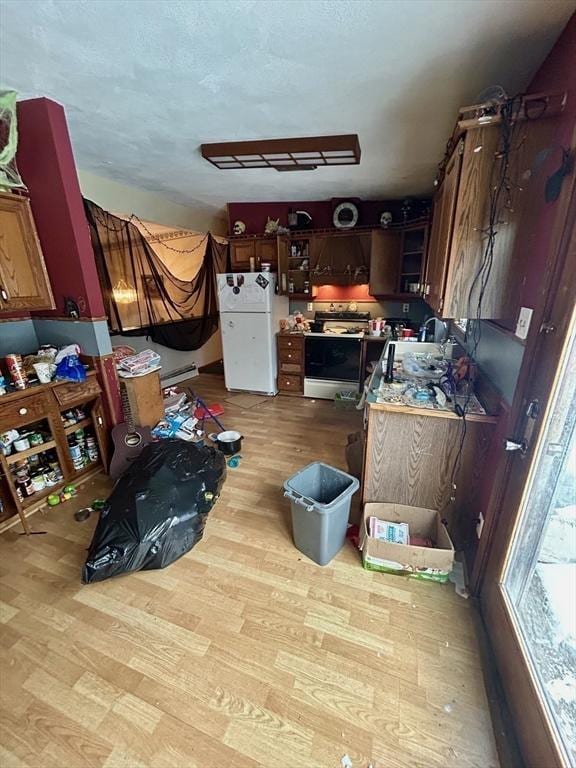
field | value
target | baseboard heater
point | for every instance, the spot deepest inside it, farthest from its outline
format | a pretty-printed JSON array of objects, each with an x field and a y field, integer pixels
[{"x": 179, "y": 374}]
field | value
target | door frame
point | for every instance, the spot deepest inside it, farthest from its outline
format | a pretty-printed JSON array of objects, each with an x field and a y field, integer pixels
[{"x": 544, "y": 350}]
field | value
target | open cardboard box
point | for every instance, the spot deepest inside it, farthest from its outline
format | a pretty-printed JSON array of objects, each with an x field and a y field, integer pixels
[{"x": 426, "y": 563}]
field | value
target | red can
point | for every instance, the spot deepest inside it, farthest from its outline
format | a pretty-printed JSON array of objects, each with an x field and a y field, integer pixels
[{"x": 16, "y": 371}]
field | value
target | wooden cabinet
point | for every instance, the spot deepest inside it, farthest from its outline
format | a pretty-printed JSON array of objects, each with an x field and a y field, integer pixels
[
  {"x": 441, "y": 232},
  {"x": 290, "y": 349},
  {"x": 458, "y": 259},
  {"x": 261, "y": 250},
  {"x": 385, "y": 251},
  {"x": 410, "y": 457},
  {"x": 24, "y": 281},
  {"x": 40, "y": 409}
]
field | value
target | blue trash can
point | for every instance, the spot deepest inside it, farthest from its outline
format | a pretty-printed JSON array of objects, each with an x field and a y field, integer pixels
[{"x": 320, "y": 497}]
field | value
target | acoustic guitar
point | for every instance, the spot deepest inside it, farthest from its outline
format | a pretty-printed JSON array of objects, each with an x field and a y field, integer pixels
[{"x": 128, "y": 438}]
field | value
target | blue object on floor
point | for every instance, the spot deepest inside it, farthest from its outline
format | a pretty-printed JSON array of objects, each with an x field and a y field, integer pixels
[{"x": 234, "y": 461}]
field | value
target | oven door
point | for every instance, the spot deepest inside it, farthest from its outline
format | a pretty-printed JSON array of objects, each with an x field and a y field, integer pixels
[{"x": 333, "y": 358}]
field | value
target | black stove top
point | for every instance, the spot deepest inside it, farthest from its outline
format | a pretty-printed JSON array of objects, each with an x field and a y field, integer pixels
[{"x": 349, "y": 316}]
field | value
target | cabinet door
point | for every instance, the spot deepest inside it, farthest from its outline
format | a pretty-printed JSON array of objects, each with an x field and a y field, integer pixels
[
  {"x": 385, "y": 255},
  {"x": 24, "y": 281},
  {"x": 267, "y": 251},
  {"x": 468, "y": 256},
  {"x": 441, "y": 234},
  {"x": 283, "y": 249},
  {"x": 241, "y": 251}
]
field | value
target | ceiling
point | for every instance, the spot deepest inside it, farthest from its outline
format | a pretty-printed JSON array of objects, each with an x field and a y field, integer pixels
[{"x": 144, "y": 83}]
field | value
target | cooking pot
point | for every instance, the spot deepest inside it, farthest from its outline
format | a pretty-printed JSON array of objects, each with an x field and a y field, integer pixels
[{"x": 229, "y": 442}]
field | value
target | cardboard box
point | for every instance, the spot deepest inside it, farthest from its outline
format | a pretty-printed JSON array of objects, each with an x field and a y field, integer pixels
[{"x": 426, "y": 563}]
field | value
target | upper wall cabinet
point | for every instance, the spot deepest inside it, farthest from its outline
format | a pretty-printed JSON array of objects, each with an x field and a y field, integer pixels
[
  {"x": 260, "y": 250},
  {"x": 385, "y": 258},
  {"x": 460, "y": 266},
  {"x": 24, "y": 281}
]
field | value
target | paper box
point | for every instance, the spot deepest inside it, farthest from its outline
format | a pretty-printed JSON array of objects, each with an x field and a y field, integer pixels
[{"x": 426, "y": 563}]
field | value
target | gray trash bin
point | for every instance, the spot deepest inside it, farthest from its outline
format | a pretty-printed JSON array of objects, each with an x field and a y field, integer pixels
[{"x": 320, "y": 498}]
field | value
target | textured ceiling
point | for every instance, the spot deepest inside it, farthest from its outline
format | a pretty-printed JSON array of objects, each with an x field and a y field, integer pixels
[{"x": 144, "y": 83}]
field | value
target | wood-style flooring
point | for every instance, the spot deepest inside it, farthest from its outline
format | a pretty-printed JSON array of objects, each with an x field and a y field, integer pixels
[{"x": 244, "y": 653}]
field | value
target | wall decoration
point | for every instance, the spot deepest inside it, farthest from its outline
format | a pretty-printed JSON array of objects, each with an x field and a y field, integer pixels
[
  {"x": 345, "y": 216},
  {"x": 271, "y": 227},
  {"x": 385, "y": 219},
  {"x": 239, "y": 228}
]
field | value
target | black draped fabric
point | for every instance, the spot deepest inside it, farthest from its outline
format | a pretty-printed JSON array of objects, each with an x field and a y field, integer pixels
[{"x": 143, "y": 295}]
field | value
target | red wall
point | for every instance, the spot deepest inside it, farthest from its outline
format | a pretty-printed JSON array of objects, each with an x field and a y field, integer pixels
[
  {"x": 255, "y": 215},
  {"x": 46, "y": 163}
]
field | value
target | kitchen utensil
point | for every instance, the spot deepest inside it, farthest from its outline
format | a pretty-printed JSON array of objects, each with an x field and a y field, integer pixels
[
  {"x": 229, "y": 442},
  {"x": 389, "y": 375}
]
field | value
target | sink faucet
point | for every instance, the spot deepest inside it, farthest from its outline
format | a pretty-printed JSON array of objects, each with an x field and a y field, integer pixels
[{"x": 423, "y": 328}]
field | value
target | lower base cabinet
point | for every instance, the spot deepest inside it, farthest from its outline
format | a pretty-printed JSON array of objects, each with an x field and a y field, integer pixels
[{"x": 64, "y": 425}]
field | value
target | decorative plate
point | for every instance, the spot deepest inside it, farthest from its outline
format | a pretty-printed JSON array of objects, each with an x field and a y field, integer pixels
[{"x": 345, "y": 216}]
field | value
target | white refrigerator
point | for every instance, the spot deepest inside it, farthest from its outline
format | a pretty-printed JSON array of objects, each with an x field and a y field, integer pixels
[{"x": 250, "y": 313}]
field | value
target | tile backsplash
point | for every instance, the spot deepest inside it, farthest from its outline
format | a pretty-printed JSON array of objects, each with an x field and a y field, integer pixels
[{"x": 417, "y": 313}]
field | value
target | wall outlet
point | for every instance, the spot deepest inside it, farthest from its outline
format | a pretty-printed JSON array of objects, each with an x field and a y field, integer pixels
[
  {"x": 480, "y": 525},
  {"x": 523, "y": 324},
  {"x": 310, "y": 306},
  {"x": 405, "y": 308}
]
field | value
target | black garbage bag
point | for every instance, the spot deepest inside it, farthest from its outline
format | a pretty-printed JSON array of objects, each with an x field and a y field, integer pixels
[{"x": 157, "y": 510}]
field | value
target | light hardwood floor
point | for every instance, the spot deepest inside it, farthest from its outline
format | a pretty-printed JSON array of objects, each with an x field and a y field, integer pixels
[{"x": 243, "y": 653}]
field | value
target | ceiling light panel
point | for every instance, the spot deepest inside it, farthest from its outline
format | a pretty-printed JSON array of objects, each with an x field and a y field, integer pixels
[{"x": 301, "y": 153}]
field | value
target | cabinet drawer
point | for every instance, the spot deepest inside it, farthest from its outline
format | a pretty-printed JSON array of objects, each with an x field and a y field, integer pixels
[
  {"x": 290, "y": 354},
  {"x": 23, "y": 411},
  {"x": 290, "y": 343},
  {"x": 287, "y": 383},
  {"x": 290, "y": 367},
  {"x": 66, "y": 394}
]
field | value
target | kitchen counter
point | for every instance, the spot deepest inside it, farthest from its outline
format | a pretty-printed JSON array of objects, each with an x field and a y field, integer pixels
[{"x": 475, "y": 410}]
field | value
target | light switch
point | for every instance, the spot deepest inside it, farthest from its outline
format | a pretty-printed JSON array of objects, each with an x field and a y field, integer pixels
[
  {"x": 523, "y": 324},
  {"x": 405, "y": 308},
  {"x": 310, "y": 307}
]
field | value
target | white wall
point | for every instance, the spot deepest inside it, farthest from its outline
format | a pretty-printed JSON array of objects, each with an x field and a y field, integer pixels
[{"x": 119, "y": 198}]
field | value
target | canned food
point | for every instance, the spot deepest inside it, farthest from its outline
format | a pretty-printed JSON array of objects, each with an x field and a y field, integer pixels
[
  {"x": 38, "y": 482},
  {"x": 75, "y": 452},
  {"x": 16, "y": 370}
]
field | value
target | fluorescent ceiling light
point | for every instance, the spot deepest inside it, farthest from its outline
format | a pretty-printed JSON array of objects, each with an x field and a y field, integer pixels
[{"x": 299, "y": 154}]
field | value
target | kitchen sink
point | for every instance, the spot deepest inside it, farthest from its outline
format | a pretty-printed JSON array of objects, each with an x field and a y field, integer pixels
[{"x": 402, "y": 347}]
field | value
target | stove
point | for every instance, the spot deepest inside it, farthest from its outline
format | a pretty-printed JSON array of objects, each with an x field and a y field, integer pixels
[
  {"x": 333, "y": 354},
  {"x": 352, "y": 324}
]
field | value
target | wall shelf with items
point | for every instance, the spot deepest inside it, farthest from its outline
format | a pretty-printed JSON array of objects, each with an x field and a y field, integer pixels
[{"x": 412, "y": 259}]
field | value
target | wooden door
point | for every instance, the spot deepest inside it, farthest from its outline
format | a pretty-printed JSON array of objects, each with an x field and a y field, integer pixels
[
  {"x": 441, "y": 234},
  {"x": 385, "y": 255},
  {"x": 543, "y": 437},
  {"x": 241, "y": 251},
  {"x": 24, "y": 280},
  {"x": 267, "y": 251}
]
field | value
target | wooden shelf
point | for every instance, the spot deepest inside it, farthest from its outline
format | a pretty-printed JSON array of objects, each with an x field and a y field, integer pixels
[
  {"x": 78, "y": 474},
  {"x": 19, "y": 455},
  {"x": 87, "y": 422},
  {"x": 307, "y": 296}
]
